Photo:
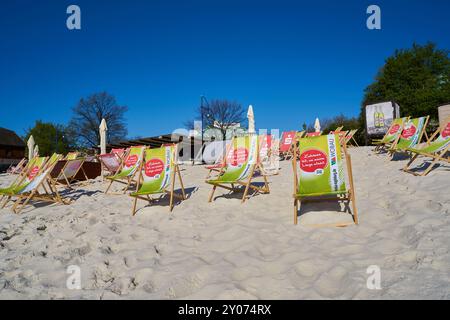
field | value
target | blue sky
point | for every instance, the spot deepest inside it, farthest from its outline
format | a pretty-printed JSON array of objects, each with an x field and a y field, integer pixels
[{"x": 292, "y": 60}]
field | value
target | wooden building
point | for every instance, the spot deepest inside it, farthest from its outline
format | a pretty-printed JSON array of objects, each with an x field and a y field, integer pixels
[{"x": 12, "y": 148}]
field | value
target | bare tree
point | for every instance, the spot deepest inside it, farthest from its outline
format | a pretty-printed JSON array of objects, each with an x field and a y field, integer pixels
[
  {"x": 220, "y": 114},
  {"x": 88, "y": 114}
]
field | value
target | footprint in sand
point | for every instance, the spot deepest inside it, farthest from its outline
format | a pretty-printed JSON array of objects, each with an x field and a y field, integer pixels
[
  {"x": 240, "y": 274},
  {"x": 310, "y": 268},
  {"x": 331, "y": 284},
  {"x": 183, "y": 287}
]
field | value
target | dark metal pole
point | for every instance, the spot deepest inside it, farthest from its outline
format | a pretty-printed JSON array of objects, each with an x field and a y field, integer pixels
[
  {"x": 56, "y": 134},
  {"x": 201, "y": 111}
]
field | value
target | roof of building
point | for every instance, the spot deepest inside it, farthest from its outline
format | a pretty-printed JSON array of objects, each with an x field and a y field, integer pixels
[
  {"x": 10, "y": 138},
  {"x": 154, "y": 142}
]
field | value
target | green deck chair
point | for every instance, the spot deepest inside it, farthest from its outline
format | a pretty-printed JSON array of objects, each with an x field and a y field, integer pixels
[
  {"x": 241, "y": 167},
  {"x": 392, "y": 135},
  {"x": 436, "y": 149},
  {"x": 319, "y": 172},
  {"x": 412, "y": 133},
  {"x": 157, "y": 174},
  {"x": 129, "y": 168},
  {"x": 37, "y": 165},
  {"x": 41, "y": 187},
  {"x": 20, "y": 176}
]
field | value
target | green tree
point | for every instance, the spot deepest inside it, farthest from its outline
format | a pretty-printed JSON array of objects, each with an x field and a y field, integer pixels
[
  {"x": 49, "y": 137},
  {"x": 330, "y": 124},
  {"x": 418, "y": 79}
]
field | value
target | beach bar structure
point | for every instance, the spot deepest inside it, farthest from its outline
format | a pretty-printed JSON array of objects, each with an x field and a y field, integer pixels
[
  {"x": 188, "y": 146},
  {"x": 12, "y": 148}
]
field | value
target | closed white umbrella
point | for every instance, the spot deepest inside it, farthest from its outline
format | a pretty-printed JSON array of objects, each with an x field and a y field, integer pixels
[
  {"x": 317, "y": 125},
  {"x": 251, "y": 120},
  {"x": 30, "y": 145},
  {"x": 103, "y": 128},
  {"x": 36, "y": 151}
]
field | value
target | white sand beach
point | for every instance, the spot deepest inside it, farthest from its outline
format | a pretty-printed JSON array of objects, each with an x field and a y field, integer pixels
[{"x": 229, "y": 250}]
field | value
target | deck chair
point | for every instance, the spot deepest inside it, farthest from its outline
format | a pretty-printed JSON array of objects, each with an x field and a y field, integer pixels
[
  {"x": 286, "y": 148},
  {"x": 350, "y": 138},
  {"x": 38, "y": 187},
  {"x": 71, "y": 156},
  {"x": 242, "y": 163},
  {"x": 15, "y": 169},
  {"x": 339, "y": 129},
  {"x": 220, "y": 161},
  {"x": 265, "y": 155},
  {"x": 120, "y": 152},
  {"x": 65, "y": 171},
  {"x": 314, "y": 134},
  {"x": 391, "y": 136},
  {"x": 435, "y": 150},
  {"x": 23, "y": 172},
  {"x": 110, "y": 162},
  {"x": 128, "y": 169},
  {"x": 319, "y": 174},
  {"x": 342, "y": 135},
  {"x": 271, "y": 167},
  {"x": 35, "y": 166},
  {"x": 411, "y": 135},
  {"x": 157, "y": 174}
]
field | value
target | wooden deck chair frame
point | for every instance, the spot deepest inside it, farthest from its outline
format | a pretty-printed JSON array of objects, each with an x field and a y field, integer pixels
[
  {"x": 171, "y": 192},
  {"x": 20, "y": 180},
  {"x": 255, "y": 168},
  {"x": 217, "y": 167},
  {"x": 265, "y": 157},
  {"x": 393, "y": 149},
  {"x": 21, "y": 177},
  {"x": 119, "y": 152},
  {"x": 67, "y": 181},
  {"x": 50, "y": 192},
  {"x": 342, "y": 135},
  {"x": 289, "y": 154},
  {"x": 351, "y": 137},
  {"x": 105, "y": 166},
  {"x": 15, "y": 169},
  {"x": 127, "y": 180},
  {"x": 339, "y": 129},
  {"x": 345, "y": 196},
  {"x": 24, "y": 171},
  {"x": 438, "y": 156},
  {"x": 46, "y": 184}
]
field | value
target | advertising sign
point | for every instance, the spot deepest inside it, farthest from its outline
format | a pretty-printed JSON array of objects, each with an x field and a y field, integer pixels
[
  {"x": 379, "y": 117},
  {"x": 319, "y": 164}
]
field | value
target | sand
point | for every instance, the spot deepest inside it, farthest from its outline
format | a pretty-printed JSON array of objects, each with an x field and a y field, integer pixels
[{"x": 229, "y": 250}]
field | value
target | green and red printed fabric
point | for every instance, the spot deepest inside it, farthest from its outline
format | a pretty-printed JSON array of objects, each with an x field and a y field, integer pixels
[{"x": 320, "y": 166}]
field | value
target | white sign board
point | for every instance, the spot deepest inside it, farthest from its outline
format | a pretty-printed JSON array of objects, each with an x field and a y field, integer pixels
[{"x": 379, "y": 117}]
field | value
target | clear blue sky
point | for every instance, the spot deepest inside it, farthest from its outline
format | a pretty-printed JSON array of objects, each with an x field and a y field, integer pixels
[{"x": 292, "y": 60}]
